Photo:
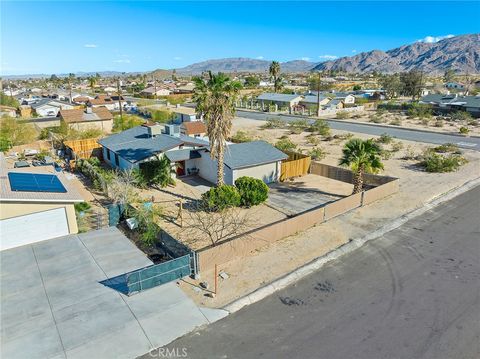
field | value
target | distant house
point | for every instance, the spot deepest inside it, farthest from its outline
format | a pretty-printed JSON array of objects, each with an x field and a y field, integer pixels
[
  {"x": 256, "y": 159},
  {"x": 8, "y": 111},
  {"x": 454, "y": 85},
  {"x": 279, "y": 100},
  {"x": 193, "y": 128},
  {"x": 152, "y": 91},
  {"x": 185, "y": 89},
  {"x": 50, "y": 108},
  {"x": 453, "y": 102},
  {"x": 110, "y": 102},
  {"x": 109, "y": 89},
  {"x": 184, "y": 114},
  {"x": 89, "y": 118},
  {"x": 346, "y": 98},
  {"x": 37, "y": 204},
  {"x": 311, "y": 102},
  {"x": 335, "y": 104},
  {"x": 130, "y": 148}
]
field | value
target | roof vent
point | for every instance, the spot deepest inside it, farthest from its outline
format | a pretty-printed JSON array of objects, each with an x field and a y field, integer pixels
[
  {"x": 154, "y": 130},
  {"x": 89, "y": 109}
]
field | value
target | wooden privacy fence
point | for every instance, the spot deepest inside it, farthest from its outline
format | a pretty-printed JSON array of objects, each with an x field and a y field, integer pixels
[
  {"x": 241, "y": 246},
  {"x": 83, "y": 149},
  {"x": 296, "y": 165}
]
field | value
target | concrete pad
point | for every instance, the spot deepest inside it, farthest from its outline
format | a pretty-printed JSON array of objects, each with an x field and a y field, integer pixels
[{"x": 213, "y": 314}]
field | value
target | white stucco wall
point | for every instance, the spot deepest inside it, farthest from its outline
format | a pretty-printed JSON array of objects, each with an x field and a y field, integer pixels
[{"x": 268, "y": 173}]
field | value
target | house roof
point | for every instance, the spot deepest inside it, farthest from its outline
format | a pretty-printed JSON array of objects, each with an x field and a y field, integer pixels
[
  {"x": 135, "y": 144},
  {"x": 248, "y": 154},
  {"x": 8, "y": 195},
  {"x": 80, "y": 115},
  {"x": 280, "y": 97},
  {"x": 194, "y": 127},
  {"x": 184, "y": 110},
  {"x": 313, "y": 99},
  {"x": 182, "y": 155}
]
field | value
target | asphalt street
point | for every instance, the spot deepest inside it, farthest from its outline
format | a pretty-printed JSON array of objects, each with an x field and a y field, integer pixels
[
  {"x": 412, "y": 294},
  {"x": 376, "y": 130}
]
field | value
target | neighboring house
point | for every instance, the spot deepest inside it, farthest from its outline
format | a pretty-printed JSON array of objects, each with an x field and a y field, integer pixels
[
  {"x": 128, "y": 149},
  {"x": 35, "y": 206},
  {"x": 346, "y": 98},
  {"x": 335, "y": 104},
  {"x": 185, "y": 89},
  {"x": 48, "y": 108},
  {"x": 279, "y": 100},
  {"x": 110, "y": 102},
  {"x": 152, "y": 91},
  {"x": 256, "y": 159},
  {"x": 310, "y": 101},
  {"x": 453, "y": 102},
  {"x": 8, "y": 111},
  {"x": 193, "y": 128},
  {"x": 89, "y": 118},
  {"x": 109, "y": 89},
  {"x": 184, "y": 114}
]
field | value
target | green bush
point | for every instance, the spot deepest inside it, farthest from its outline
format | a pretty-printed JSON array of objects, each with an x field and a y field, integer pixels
[
  {"x": 300, "y": 124},
  {"x": 220, "y": 198},
  {"x": 385, "y": 138},
  {"x": 156, "y": 172},
  {"x": 241, "y": 136},
  {"x": 125, "y": 122},
  {"x": 376, "y": 119},
  {"x": 396, "y": 122},
  {"x": 274, "y": 123},
  {"x": 447, "y": 148},
  {"x": 433, "y": 162},
  {"x": 342, "y": 115},
  {"x": 464, "y": 130},
  {"x": 461, "y": 116},
  {"x": 285, "y": 145},
  {"x": 317, "y": 153},
  {"x": 253, "y": 191},
  {"x": 81, "y": 206},
  {"x": 439, "y": 123},
  {"x": 162, "y": 116},
  {"x": 321, "y": 127},
  {"x": 419, "y": 110},
  {"x": 313, "y": 139}
]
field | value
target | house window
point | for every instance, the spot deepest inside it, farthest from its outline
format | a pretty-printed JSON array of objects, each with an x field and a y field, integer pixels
[
  {"x": 108, "y": 154},
  {"x": 117, "y": 162}
]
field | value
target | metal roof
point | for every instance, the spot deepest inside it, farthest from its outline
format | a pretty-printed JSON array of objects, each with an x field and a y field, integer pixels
[
  {"x": 313, "y": 99},
  {"x": 279, "y": 97},
  {"x": 248, "y": 154}
]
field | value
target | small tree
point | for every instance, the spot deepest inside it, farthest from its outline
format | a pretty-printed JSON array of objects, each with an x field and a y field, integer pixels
[
  {"x": 157, "y": 172},
  {"x": 253, "y": 191},
  {"x": 362, "y": 156},
  {"x": 219, "y": 198}
]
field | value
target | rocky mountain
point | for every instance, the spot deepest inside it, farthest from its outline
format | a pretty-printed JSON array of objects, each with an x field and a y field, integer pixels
[
  {"x": 241, "y": 64},
  {"x": 460, "y": 53}
]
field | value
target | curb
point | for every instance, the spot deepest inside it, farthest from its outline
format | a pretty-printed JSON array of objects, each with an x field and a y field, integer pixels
[{"x": 349, "y": 247}]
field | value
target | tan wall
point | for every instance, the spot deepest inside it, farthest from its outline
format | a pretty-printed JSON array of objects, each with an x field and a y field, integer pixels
[
  {"x": 16, "y": 209},
  {"x": 105, "y": 126},
  {"x": 336, "y": 173},
  {"x": 379, "y": 192},
  {"x": 343, "y": 205}
]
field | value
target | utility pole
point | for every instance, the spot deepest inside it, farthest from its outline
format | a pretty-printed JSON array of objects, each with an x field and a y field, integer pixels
[
  {"x": 318, "y": 95},
  {"x": 155, "y": 87},
  {"x": 119, "y": 93}
]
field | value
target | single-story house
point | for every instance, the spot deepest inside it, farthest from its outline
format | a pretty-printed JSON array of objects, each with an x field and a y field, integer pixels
[
  {"x": 311, "y": 101},
  {"x": 453, "y": 102},
  {"x": 256, "y": 159},
  {"x": 110, "y": 102},
  {"x": 36, "y": 204},
  {"x": 152, "y": 91},
  {"x": 130, "y": 148},
  {"x": 184, "y": 114},
  {"x": 335, "y": 104},
  {"x": 193, "y": 128},
  {"x": 47, "y": 107},
  {"x": 279, "y": 100},
  {"x": 88, "y": 118},
  {"x": 454, "y": 85},
  {"x": 347, "y": 98},
  {"x": 8, "y": 111},
  {"x": 185, "y": 89}
]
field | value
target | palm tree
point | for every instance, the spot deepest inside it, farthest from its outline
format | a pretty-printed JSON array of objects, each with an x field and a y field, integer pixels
[
  {"x": 215, "y": 97},
  {"x": 274, "y": 71},
  {"x": 362, "y": 156},
  {"x": 92, "y": 81}
]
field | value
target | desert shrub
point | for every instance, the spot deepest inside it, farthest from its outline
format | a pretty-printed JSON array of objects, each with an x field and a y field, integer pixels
[
  {"x": 157, "y": 172},
  {"x": 162, "y": 116},
  {"x": 385, "y": 138},
  {"x": 220, "y": 198},
  {"x": 301, "y": 123},
  {"x": 410, "y": 153},
  {"x": 146, "y": 223},
  {"x": 285, "y": 145},
  {"x": 434, "y": 162},
  {"x": 241, "y": 136},
  {"x": 439, "y": 123},
  {"x": 82, "y": 206},
  {"x": 386, "y": 154},
  {"x": 253, "y": 191},
  {"x": 13, "y": 133},
  {"x": 419, "y": 110},
  {"x": 447, "y": 148},
  {"x": 425, "y": 121},
  {"x": 376, "y": 119},
  {"x": 397, "y": 146},
  {"x": 342, "y": 115},
  {"x": 122, "y": 123},
  {"x": 296, "y": 130},
  {"x": 461, "y": 116},
  {"x": 94, "y": 161},
  {"x": 274, "y": 123},
  {"x": 464, "y": 130},
  {"x": 321, "y": 127},
  {"x": 472, "y": 122},
  {"x": 317, "y": 153},
  {"x": 396, "y": 122},
  {"x": 313, "y": 140}
]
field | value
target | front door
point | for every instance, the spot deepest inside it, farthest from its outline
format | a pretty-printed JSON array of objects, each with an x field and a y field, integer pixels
[{"x": 180, "y": 168}]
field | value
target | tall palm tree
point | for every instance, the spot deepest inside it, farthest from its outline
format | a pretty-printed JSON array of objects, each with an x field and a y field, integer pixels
[
  {"x": 215, "y": 97},
  {"x": 274, "y": 71},
  {"x": 92, "y": 81},
  {"x": 362, "y": 156}
]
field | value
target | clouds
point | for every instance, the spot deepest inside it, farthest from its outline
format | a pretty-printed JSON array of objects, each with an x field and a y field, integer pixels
[
  {"x": 328, "y": 57},
  {"x": 122, "y": 61},
  {"x": 432, "y": 39},
  {"x": 90, "y": 46},
  {"x": 354, "y": 51},
  {"x": 177, "y": 58},
  {"x": 259, "y": 57},
  {"x": 305, "y": 58}
]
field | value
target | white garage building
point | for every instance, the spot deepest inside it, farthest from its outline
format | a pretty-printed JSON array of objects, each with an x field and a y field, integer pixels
[{"x": 35, "y": 206}]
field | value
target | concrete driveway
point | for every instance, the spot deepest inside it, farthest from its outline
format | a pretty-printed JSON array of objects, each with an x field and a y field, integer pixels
[{"x": 54, "y": 306}]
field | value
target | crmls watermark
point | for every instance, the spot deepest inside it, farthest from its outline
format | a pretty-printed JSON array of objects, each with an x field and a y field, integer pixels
[{"x": 168, "y": 353}]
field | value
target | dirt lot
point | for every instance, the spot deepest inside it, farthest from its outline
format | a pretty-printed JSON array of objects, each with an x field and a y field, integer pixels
[{"x": 416, "y": 188}]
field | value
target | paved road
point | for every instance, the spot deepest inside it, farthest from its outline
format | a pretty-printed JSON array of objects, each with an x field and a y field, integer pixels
[
  {"x": 413, "y": 294},
  {"x": 375, "y": 130}
]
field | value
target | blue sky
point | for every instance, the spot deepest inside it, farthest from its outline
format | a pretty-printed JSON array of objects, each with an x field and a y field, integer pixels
[{"x": 59, "y": 37}]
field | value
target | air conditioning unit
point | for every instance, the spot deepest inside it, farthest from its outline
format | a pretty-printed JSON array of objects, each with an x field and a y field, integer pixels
[
  {"x": 154, "y": 130},
  {"x": 172, "y": 130}
]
